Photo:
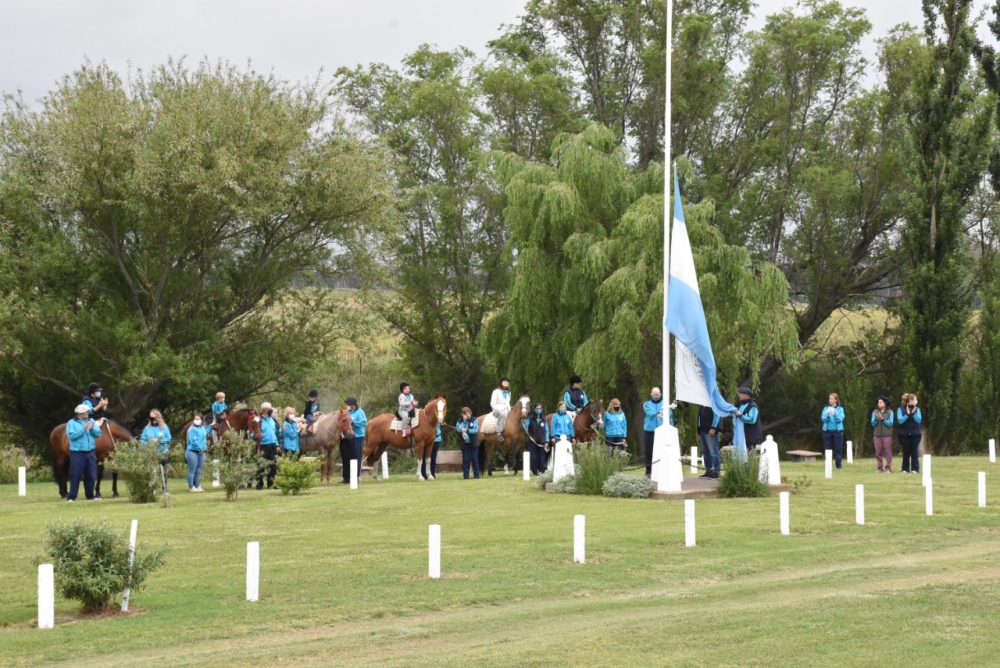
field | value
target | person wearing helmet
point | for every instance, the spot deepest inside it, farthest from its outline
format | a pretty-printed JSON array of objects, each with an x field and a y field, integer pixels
[
  {"x": 500, "y": 403},
  {"x": 311, "y": 412},
  {"x": 575, "y": 398},
  {"x": 93, "y": 400},
  {"x": 407, "y": 406}
]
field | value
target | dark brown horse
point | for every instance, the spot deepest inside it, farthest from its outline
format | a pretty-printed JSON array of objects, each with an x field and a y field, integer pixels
[
  {"x": 245, "y": 421},
  {"x": 380, "y": 436},
  {"x": 328, "y": 430},
  {"x": 514, "y": 436},
  {"x": 587, "y": 422},
  {"x": 111, "y": 433}
]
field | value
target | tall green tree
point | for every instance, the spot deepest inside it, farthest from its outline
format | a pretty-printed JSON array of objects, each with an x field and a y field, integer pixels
[{"x": 151, "y": 233}]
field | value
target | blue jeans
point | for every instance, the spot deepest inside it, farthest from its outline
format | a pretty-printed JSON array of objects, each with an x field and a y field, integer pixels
[
  {"x": 196, "y": 462},
  {"x": 834, "y": 440},
  {"x": 710, "y": 452},
  {"x": 470, "y": 455},
  {"x": 82, "y": 465}
]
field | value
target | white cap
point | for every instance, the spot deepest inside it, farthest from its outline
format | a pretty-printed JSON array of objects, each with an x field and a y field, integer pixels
[
  {"x": 266, "y": 405},
  {"x": 82, "y": 408}
]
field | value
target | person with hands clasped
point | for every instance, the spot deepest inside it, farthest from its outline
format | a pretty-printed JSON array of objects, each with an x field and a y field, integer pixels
[
  {"x": 468, "y": 439},
  {"x": 909, "y": 419},
  {"x": 82, "y": 431},
  {"x": 654, "y": 418},
  {"x": 268, "y": 445},
  {"x": 158, "y": 433},
  {"x": 833, "y": 427},
  {"x": 882, "y": 421},
  {"x": 194, "y": 453}
]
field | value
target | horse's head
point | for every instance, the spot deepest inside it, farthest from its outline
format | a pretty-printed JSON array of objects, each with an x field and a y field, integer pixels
[
  {"x": 597, "y": 411},
  {"x": 524, "y": 406},
  {"x": 344, "y": 423},
  {"x": 253, "y": 424},
  {"x": 437, "y": 405}
]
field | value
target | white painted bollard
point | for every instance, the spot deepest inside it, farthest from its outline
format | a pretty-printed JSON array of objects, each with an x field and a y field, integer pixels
[
  {"x": 927, "y": 470},
  {"x": 385, "y": 465},
  {"x": 859, "y": 504},
  {"x": 434, "y": 552},
  {"x": 993, "y": 451},
  {"x": 579, "y": 539},
  {"x": 131, "y": 558},
  {"x": 783, "y": 505},
  {"x": 828, "y": 470},
  {"x": 253, "y": 571},
  {"x": 929, "y": 496},
  {"x": 526, "y": 465},
  {"x": 982, "y": 489},
  {"x": 563, "y": 465},
  {"x": 46, "y": 596},
  {"x": 689, "y": 526},
  {"x": 850, "y": 452},
  {"x": 770, "y": 466},
  {"x": 694, "y": 459},
  {"x": 22, "y": 481},
  {"x": 215, "y": 473},
  {"x": 354, "y": 474},
  {"x": 667, "y": 470}
]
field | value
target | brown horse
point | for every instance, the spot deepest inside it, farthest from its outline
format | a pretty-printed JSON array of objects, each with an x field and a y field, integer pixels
[
  {"x": 588, "y": 420},
  {"x": 380, "y": 436},
  {"x": 111, "y": 433},
  {"x": 514, "y": 435},
  {"x": 244, "y": 421},
  {"x": 327, "y": 432}
]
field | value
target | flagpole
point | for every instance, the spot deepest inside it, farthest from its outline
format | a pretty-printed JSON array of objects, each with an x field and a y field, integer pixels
[{"x": 667, "y": 212}]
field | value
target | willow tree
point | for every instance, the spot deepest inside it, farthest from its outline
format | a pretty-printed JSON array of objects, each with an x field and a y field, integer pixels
[{"x": 587, "y": 290}]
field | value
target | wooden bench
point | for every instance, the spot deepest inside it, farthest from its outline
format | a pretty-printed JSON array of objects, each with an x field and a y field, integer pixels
[{"x": 803, "y": 455}]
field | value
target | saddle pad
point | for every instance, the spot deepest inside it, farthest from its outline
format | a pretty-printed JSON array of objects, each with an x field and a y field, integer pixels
[
  {"x": 490, "y": 425},
  {"x": 397, "y": 424}
]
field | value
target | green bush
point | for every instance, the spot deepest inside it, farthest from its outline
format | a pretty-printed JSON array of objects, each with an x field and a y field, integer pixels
[
  {"x": 741, "y": 478},
  {"x": 544, "y": 479},
  {"x": 40, "y": 470},
  {"x": 238, "y": 460},
  {"x": 139, "y": 464},
  {"x": 91, "y": 562},
  {"x": 12, "y": 458},
  {"x": 566, "y": 484},
  {"x": 295, "y": 475},
  {"x": 595, "y": 465},
  {"x": 623, "y": 486}
]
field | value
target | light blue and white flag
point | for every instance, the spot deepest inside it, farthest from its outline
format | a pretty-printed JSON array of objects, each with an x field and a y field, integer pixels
[{"x": 694, "y": 367}]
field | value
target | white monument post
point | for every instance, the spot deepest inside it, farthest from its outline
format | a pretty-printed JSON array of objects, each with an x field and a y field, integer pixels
[
  {"x": 579, "y": 539},
  {"x": 850, "y": 452},
  {"x": 783, "y": 504},
  {"x": 131, "y": 558},
  {"x": 694, "y": 459},
  {"x": 434, "y": 552},
  {"x": 385, "y": 465},
  {"x": 563, "y": 460},
  {"x": 526, "y": 465},
  {"x": 828, "y": 469},
  {"x": 770, "y": 465},
  {"x": 993, "y": 451},
  {"x": 859, "y": 504},
  {"x": 982, "y": 489},
  {"x": 215, "y": 473},
  {"x": 253, "y": 571},
  {"x": 22, "y": 481},
  {"x": 46, "y": 596},
  {"x": 354, "y": 474},
  {"x": 929, "y": 496},
  {"x": 689, "y": 526},
  {"x": 927, "y": 470}
]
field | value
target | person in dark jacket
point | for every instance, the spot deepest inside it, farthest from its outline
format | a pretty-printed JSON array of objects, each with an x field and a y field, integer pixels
[
  {"x": 909, "y": 419},
  {"x": 81, "y": 432},
  {"x": 748, "y": 413},
  {"x": 539, "y": 439},
  {"x": 468, "y": 438},
  {"x": 708, "y": 434}
]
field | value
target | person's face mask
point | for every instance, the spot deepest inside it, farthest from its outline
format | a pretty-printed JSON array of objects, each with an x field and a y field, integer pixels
[
  {"x": 562, "y": 411},
  {"x": 538, "y": 411},
  {"x": 97, "y": 394},
  {"x": 655, "y": 397},
  {"x": 197, "y": 423}
]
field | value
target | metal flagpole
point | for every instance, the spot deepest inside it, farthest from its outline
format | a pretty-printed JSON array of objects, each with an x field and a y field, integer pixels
[{"x": 667, "y": 214}]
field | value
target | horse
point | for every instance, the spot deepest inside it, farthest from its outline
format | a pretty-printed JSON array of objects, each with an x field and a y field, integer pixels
[
  {"x": 380, "y": 436},
  {"x": 586, "y": 423},
  {"x": 244, "y": 420},
  {"x": 327, "y": 432},
  {"x": 111, "y": 433},
  {"x": 514, "y": 435}
]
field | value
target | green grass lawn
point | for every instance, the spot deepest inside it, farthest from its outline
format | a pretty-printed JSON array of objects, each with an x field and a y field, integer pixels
[{"x": 344, "y": 577}]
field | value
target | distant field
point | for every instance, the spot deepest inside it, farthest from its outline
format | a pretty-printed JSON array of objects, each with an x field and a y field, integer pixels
[
  {"x": 344, "y": 578},
  {"x": 846, "y": 326}
]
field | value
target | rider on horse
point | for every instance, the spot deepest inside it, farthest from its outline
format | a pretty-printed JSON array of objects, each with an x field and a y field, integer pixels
[
  {"x": 311, "y": 412},
  {"x": 575, "y": 397},
  {"x": 407, "y": 406},
  {"x": 500, "y": 403},
  {"x": 92, "y": 400},
  {"x": 219, "y": 411}
]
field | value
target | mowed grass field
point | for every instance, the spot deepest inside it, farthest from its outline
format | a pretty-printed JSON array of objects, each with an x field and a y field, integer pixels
[{"x": 344, "y": 577}]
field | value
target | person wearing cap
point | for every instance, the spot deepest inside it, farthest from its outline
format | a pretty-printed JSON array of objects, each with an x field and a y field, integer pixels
[
  {"x": 615, "y": 428},
  {"x": 500, "y": 403},
  {"x": 158, "y": 433},
  {"x": 882, "y": 421},
  {"x": 92, "y": 399},
  {"x": 290, "y": 434},
  {"x": 746, "y": 425},
  {"x": 194, "y": 453},
  {"x": 537, "y": 429},
  {"x": 833, "y": 427},
  {"x": 407, "y": 405},
  {"x": 82, "y": 431},
  {"x": 653, "y": 408},
  {"x": 359, "y": 421},
  {"x": 268, "y": 445},
  {"x": 311, "y": 412},
  {"x": 575, "y": 398}
]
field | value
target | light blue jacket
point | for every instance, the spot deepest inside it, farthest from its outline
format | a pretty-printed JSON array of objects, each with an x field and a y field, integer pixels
[
  {"x": 652, "y": 408},
  {"x": 615, "y": 425},
  {"x": 197, "y": 437},
  {"x": 219, "y": 407},
  {"x": 833, "y": 422},
  {"x": 158, "y": 433},
  {"x": 81, "y": 439},
  {"x": 268, "y": 431},
  {"x": 471, "y": 426},
  {"x": 290, "y": 435},
  {"x": 437, "y": 438},
  {"x": 360, "y": 421},
  {"x": 569, "y": 401},
  {"x": 562, "y": 424}
]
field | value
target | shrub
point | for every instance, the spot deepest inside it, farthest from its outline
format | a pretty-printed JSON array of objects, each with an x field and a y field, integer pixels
[
  {"x": 741, "y": 478},
  {"x": 544, "y": 479},
  {"x": 139, "y": 464},
  {"x": 238, "y": 464},
  {"x": 566, "y": 484},
  {"x": 595, "y": 465},
  {"x": 12, "y": 458},
  {"x": 295, "y": 475},
  {"x": 797, "y": 485},
  {"x": 622, "y": 486},
  {"x": 91, "y": 562}
]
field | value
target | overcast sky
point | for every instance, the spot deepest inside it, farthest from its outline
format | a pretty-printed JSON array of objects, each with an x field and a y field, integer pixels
[{"x": 41, "y": 40}]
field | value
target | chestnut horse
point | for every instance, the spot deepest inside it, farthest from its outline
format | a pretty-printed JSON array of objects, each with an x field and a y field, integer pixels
[
  {"x": 514, "y": 435},
  {"x": 380, "y": 436},
  {"x": 588, "y": 420},
  {"x": 111, "y": 433},
  {"x": 327, "y": 432},
  {"x": 244, "y": 421}
]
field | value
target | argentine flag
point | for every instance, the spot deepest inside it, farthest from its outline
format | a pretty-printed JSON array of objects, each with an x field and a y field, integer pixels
[{"x": 694, "y": 368}]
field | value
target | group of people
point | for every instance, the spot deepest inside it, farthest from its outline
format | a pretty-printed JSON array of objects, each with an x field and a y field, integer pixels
[{"x": 907, "y": 419}]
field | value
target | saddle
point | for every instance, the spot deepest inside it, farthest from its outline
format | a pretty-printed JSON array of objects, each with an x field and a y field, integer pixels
[
  {"x": 397, "y": 424},
  {"x": 492, "y": 425}
]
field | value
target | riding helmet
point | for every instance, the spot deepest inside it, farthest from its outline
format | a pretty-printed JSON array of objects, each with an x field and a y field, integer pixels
[
  {"x": 351, "y": 401},
  {"x": 574, "y": 379},
  {"x": 403, "y": 386},
  {"x": 93, "y": 387},
  {"x": 313, "y": 394}
]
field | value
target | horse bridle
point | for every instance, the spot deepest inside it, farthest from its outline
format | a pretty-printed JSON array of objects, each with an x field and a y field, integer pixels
[{"x": 593, "y": 417}]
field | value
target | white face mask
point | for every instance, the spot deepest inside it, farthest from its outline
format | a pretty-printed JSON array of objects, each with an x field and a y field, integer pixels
[
  {"x": 197, "y": 423},
  {"x": 97, "y": 394}
]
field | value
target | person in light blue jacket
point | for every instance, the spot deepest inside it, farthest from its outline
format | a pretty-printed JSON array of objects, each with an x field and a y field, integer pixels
[
  {"x": 833, "y": 427},
  {"x": 909, "y": 420},
  {"x": 654, "y": 418},
  {"x": 194, "y": 453},
  {"x": 359, "y": 421},
  {"x": 269, "y": 448},
  {"x": 290, "y": 434},
  {"x": 562, "y": 424},
  {"x": 615, "y": 428},
  {"x": 158, "y": 433},
  {"x": 81, "y": 432},
  {"x": 468, "y": 439}
]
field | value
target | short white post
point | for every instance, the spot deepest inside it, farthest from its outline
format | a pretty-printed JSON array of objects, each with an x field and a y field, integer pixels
[
  {"x": 829, "y": 464},
  {"x": 434, "y": 552},
  {"x": 982, "y": 489},
  {"x": 859, "y": 504},
  {"x": 689, "y": 526},
  {"x": 783, "y": 504},
  {"x": 929, "y": 496},
  {"x": 927, "y": 470},
  {"x": 22, "y": 481},
  {"x": 993, "y": 451},
  {"x": 354, "y": 474},
  {"x": 694, "y": 459},
  {"x": 131, "y": 558},
  {"x": 46, "y": 596},
  {"x": 215, "y": 473},
  {"x": 579, "y": 538},
  {"x": 385, "y": 465},
  {"x": 850, "y": 452},
  {"x": 253, "y": 571},
  {"x": 526, "y": 465}
]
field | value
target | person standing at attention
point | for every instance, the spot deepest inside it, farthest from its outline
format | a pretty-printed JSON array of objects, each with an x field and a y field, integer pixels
[
  {"x": 909, "y": 419},
  {"x": 359, "y": 422},
  {"x": 833, "y": 427},
  {"x": 654, "y": 418},
  {"x": 158, "y": 433},
  {"x": 615, "y": 428},
  {"x": 194, "y": 453},
  {"x": 81, "y": 432},
  {"x": 882, "y": 421},
  {"x": 468, "y": 438},
  {"x": 268, "y": 445},
  {"x": 562, "y": 424},
  {"x": 290, "y": 434},
  {"x": 537, "y": 429},
  {"x": 708, "y": 434},
  {"x": 748, "y": 429}
]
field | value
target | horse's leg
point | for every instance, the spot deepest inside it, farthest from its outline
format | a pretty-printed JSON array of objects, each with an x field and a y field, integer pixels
[
  {"x": 100, "y": 476},
  {"x": 489, "y": 458},
  {"x": 420, "y": 462},
  {"x": 60, "y": 471}
]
